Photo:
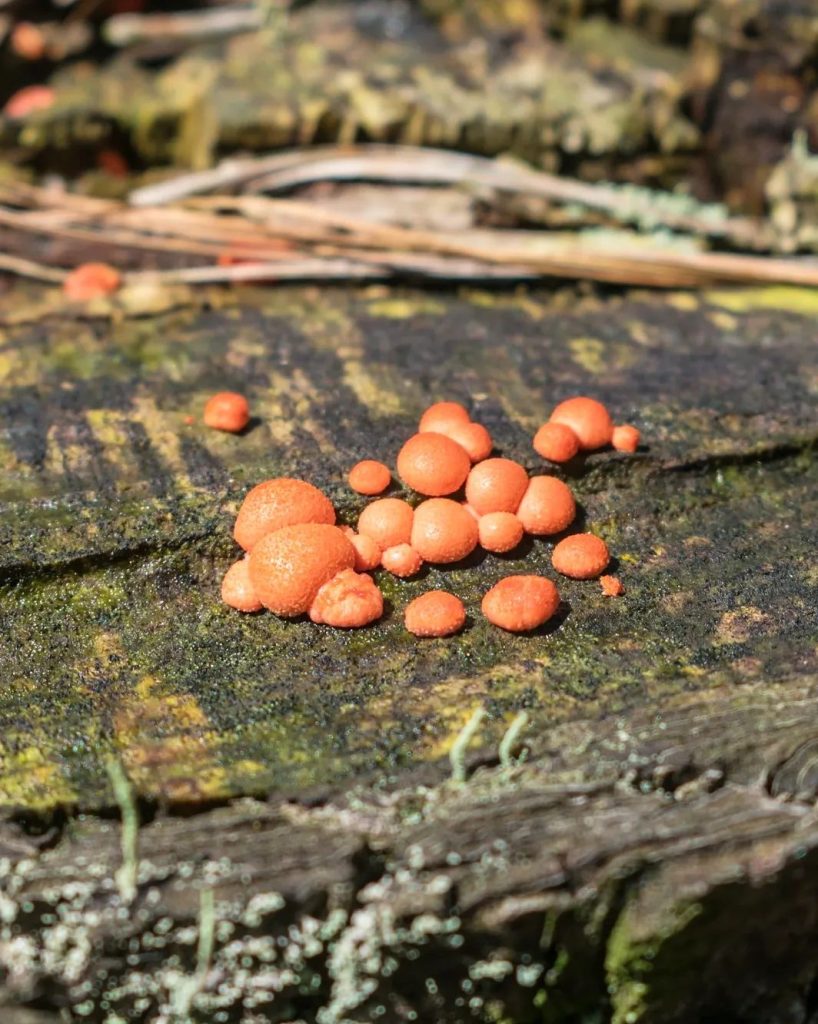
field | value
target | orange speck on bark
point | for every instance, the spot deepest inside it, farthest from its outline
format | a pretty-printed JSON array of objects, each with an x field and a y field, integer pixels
[
  {"x": 91, "y": 281},
  {"x": 589, "y": 420},
  {"x": 556, "y": 442},
  {"x": 388, "y": 521},
  {"x": 548, "y": 506},
  {"x": 369, "y": 477},
  {"x": 227, "y": 411},
  {"x": 435, "y": 613},
  {"x": 273, "y": 504},
  {"x": 626, "y": 438},
  {"x": 443, "y": 531},
  {"x": 433, "y": 464},
  {"x": 289, "y": 567},
  {"x": 29, "y": 100},
  {"x": 496, "y": 485},
  {"x": 442, "y": 415},
  {"x": 581, "y": 556},
  {"x": 27, "y": 41},
  {"x": 473, "y": 437},
  {"x": 500, "y": 531},
  {"x": 611, "y": 586},
  {"x": 347, "y": 601},
  {"x": 238, "y": 590},
  {"x": 521, "y": 603},
  {"x": 402, "y": 560}
]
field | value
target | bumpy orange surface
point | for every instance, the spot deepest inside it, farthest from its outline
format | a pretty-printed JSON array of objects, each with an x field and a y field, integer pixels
[
  {"x": 440, "y": 416},
  {"x": 582, "y": 556},
  {"x": 288, "y": 567},
  {"x": 521, "y": 603},
  {"x": 556, "y": 442},
  {"x": 496, "y": 485},
  {"x": 625, "y": 438},
  {"x": 347, "y": 601},
  {"x": 387, "y": 521},
  {"x": 369, "y": 477},
  {"x": 589, "y": 420},
  {"x": 611, "y": 586},
  {"x": 276, "y": 503},
  {"x": 473, "y": 437},
  {"x": 435, "y": 613},
  {"x": 402, "y": 560},
  {"x": 433, "y": 464},
  {"x": 237, "y": 590},
  {"x": 227, "y": 411},
  {"x": 548, "y": 506},
  {"x": 443, "y": 531},
  {"x": 500, "y": 531}
]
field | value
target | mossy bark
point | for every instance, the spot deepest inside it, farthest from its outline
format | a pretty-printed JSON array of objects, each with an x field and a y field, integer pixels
[{"x": 664, "y": 812}]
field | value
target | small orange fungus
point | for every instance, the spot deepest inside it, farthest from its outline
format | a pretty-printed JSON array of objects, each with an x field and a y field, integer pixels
[
  {"x": 626, "y": 438},
  {"x": 27, "y": 41},
  {"x": 227, "y": 411},
  {"x": 388, "y": 521},
  {"x": 91, "y": 281},
  {"x": 347, "y": 601},
  {"x": 369, "y": 477},
  {"x": 443, "y": 531},
  {"x": 433, "y": 464},
  {"x": 500, "y": 531},
  {"x": 521, "y": 603},
  {"x": 402, "y": 560},
  {"x": 273, "y": 504},
  {"x": 611, "y": 586},
  {"x": 238, "y": 591},
  {"x": 289, "y": 567},
  {"x": 496, "y": 485},
  {"x": 367, "y": 552},
  {"x": 29, "y": 100},
  {"x": 548, "y": 506},
  {"x": 582, "y": 556},
  {"x": 441, "y": 416},
  {"x": 473, "y": 437},
  {"x": 556, "y": 442},
  {"x": 589, "y": 420},
  {"x": 435, "y": 613}
]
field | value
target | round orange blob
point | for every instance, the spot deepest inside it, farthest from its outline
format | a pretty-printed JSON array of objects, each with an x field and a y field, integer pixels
[
  {"x": 442, "y": 415},
  {"x": 500, "y": 531},
  {"x": 435, "y": 613},
  {"x": 27, "y": 41},
  {"x": 589, "y": 420},
  {"x": 367, "y": 553},
  {"x": 91, "y": 281},
  {"x": 238, "y": 591},
  {"x": 347, "y": 601},
  {"x": 276, "y": 503},
  {"x": 29, "y": 100},
  {"x": 581, "y": 556},
  {"x": 473, "y": 437},
  {"x": 443, "y": 531},
  {"x": 548, "y": 506},
  {"x": 387, "y": 521},
  {"x": 611, "y": 586},
  {"x": 228, "y": 411},
  {"x": 556, "y": 442},
  {"x": 433, "y": 464},
  {"x": 289, "y": 567},
  {"x": 402, "y": 560},
  {"x": 626, "y": 438},
  {"x": 496, "y": 485},
  {"x": 369, "y": 477},
  {"x": 521, "y": 603}
]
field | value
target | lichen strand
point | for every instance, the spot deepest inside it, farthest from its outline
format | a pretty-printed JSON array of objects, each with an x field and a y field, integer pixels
[{"x": 116, "y": 533}]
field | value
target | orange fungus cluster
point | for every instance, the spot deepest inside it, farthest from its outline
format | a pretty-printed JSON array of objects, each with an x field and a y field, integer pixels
[{"x": 299, "y": 562}]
